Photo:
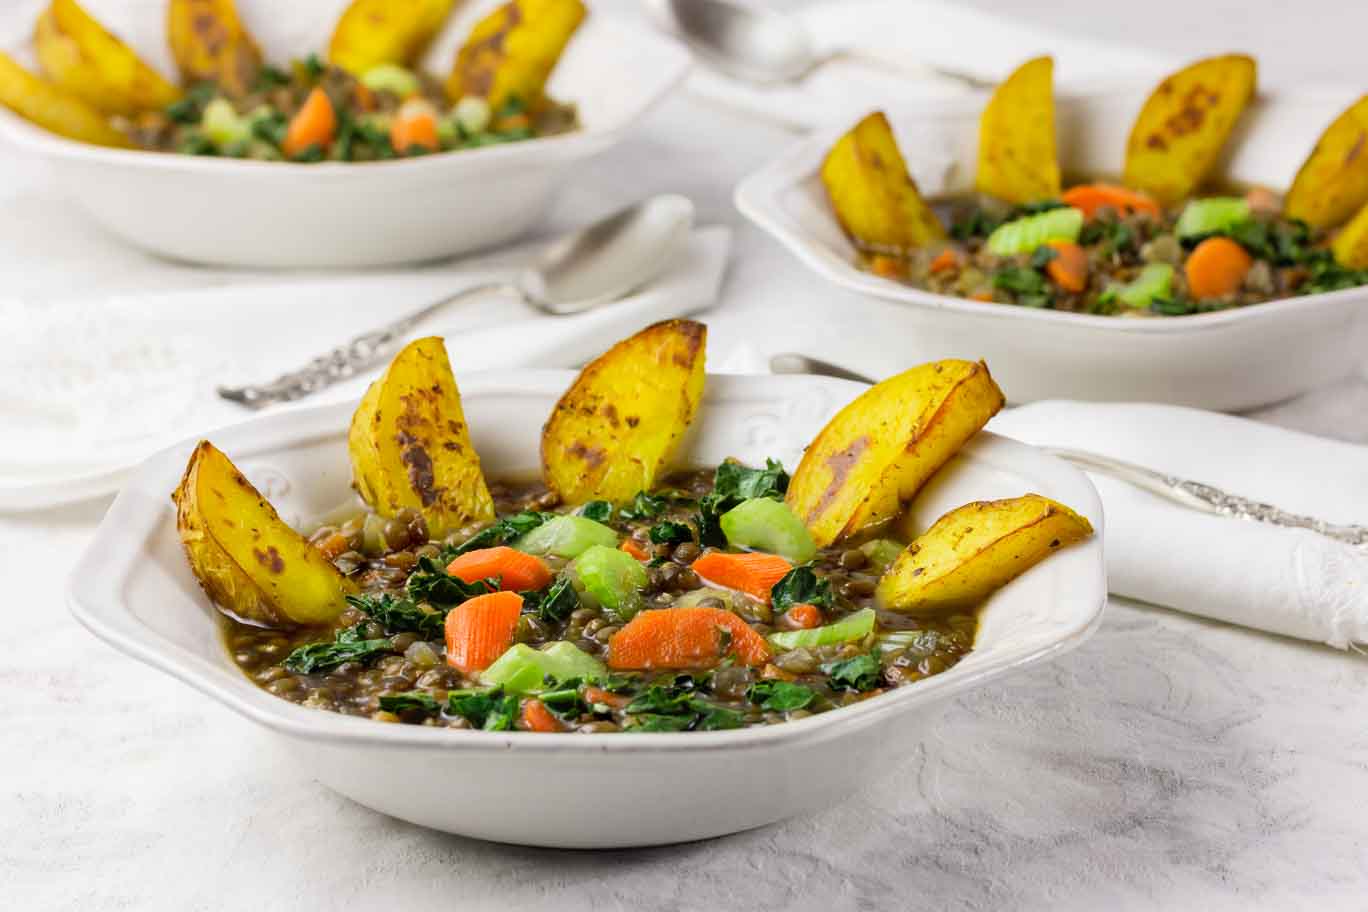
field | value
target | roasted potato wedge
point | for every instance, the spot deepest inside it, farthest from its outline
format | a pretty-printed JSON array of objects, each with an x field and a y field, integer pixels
[
  {"x": 78, "y": 55},
  {"x": 621, "y": 421},
  {"x": 1350, "y": 246},
  {"x": 510, "y": 53},
  {"x": 51, "y": 108},
  {"x": 874, "y": 197},
  {"x": 1333, "y": 182},
  {"x": 878, "y": 451},
  {"x": 371, "y": 32},
  {"x": 1180, "y": 131},
  {"x": 410, "y": 446},
  {"x": 973, "y": 551},
  {"x": 210, "y": 43},
  {"x": 1017, "y": 161},
  {"x": 248, "y": 560}
]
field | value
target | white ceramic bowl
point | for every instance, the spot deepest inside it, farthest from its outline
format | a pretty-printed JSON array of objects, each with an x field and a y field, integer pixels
[
  {"x": 1229, "y": 360},
  {"x": 269, "y": 214},
  {"x": 133, "y": 588}
]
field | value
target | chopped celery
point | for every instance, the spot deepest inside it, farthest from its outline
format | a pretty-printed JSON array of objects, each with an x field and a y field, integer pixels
[
  {"x": 522, "y": 669},
  {"x": 614, "y": 578},
  {"x": 692, "y": 599},
  {"x": 473, "y": 114},
  {"x": 1025, "y": 234},
  {"x": 391, "y": 77},
  {"x": 882, "y": 552},
  {"x": 1154, "y": 281},
  {"x": 221, "y": 123},
  {"x": 1211, "y": 215},
  {"x": 566, "y": 536},
  {"x": 768, "y": 525},
  {"x": 856, "y": 626}
]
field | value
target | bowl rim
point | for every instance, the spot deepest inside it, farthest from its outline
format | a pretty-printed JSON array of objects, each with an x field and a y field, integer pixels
[
  {"x": 99, "y": 577},
  {"x": 759, "y": 197},
  {"x": 670, "y": 64}
]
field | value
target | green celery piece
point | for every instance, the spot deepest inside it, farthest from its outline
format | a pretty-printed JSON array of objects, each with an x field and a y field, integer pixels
[
  {"x": 1211, "y": 216},
  {"x": 221, "y": 123},
  {"x": 882, "y": 552},
  {"x": 522, "y": 669},
  {"x": 768, "y": 525},
  {"x": 614, "y": 578},
  {"x": 1025, "y": 234},
  {"x": 856, "y": 626},
  {"x": 1154, "y": 281},
  {"x": 566, "y": 536},
  {"x": 390, "y": 77}
]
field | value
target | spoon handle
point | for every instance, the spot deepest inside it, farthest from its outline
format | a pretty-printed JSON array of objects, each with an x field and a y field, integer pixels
[{"x": 353, "y": 357}]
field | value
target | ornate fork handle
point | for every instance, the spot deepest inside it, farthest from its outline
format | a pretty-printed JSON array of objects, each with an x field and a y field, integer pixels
[
  {"x": 351, "y": 358},
  {"x": 1210, "y": 499}
]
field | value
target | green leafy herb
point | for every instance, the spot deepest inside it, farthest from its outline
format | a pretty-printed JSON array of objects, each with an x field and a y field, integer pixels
[
  {"x": 664, "y": 698},
  {"x": 566, "y": 701},
  {"x": 709, "y": 520},
  {"x": 1115, "y": 237},
  {"x": 711, "y": 717},
  {"x": 491, "y": 710},
  {"x": 309, "y": 154},
  {"x": 1328, "y": 275},
  {"x": 861, "y": 673},
  {"x": 735, "y": 481},
  {"x": 512, "y": 107},
  {"x": 654, "y": 722},
  {"x": 429, "y": 582},
  {"x": 800, "y": 585},
  {"x": 411, "y": 701},
  {"x": 1172, "y": 307},
  {"x": 347, "y": 646},
  {"x": 399, "y": 615},
  {"x": 313, "y": 66},
  {"x": 1042, "y": 256},
  {"x": 500, "y": 532},
  {"x": 671, "y": 533},
  {"x": 190, "y": 107},
  {"x": 1038, "y": 207},
  {"x": 644, "y": 506},
  {"x": 194, "y": 142},
  {"x": 597, "y": 510},
  {"x": 271, "y": 128},
  {"x": 976, "y": 224},
  {"x": 270, "y": 77},
  {"x": 780, "y": 696},
  {"x": 555, "y": 603},
  {"x": 1027, "y": 284}
]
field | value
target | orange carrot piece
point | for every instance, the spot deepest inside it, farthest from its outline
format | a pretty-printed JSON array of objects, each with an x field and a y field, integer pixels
[
  {"x": 1216, "y": 268},
  {"x": 1091, "y": 197},
  {"x": 516, "y": 571},
  {"x": 415, "y": 124},
  {"x": 1069, "y": 268},
  {"x": 946, "y": 260},
  {"x": 888, "y": 267},
  {"x": 981, "y": 296},
  {"x": 536, "y": 717},
  {"x": 365, "y": 98},
  {"x": 632, "y": 547},
  {"x": 480, "y": 630},
  {"x": 684, "y": 638},
  {"x": 752, "y": 573},
  {"x": 314, "y": 124},
  {"x": 333, "y": 545},
  {"x": 803, "y": 616},
  {"x": 606, "y": 697}
]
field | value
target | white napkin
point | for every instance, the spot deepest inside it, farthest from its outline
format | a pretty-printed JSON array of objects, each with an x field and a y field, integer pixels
[
  {"x": 886, "y": 49},
  {"x": 1285, "y": 581}
]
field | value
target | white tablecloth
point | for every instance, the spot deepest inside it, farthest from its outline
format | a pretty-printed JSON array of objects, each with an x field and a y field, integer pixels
[{"x": 1168, "y": 763}]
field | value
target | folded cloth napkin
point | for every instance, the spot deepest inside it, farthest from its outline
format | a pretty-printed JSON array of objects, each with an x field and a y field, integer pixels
[
  {"x": 884, "y": 54},
  {"x": 1286, "y": 581}
]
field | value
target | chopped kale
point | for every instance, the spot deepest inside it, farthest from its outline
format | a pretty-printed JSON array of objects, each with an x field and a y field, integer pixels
[
  {"x": 491, "y": 710},
  {"x": 553, "y": 604},
  {"x": 347, "y": 646},
  {"x": 780, "y": 696},
  {"x": 644, "y": 506},
  {"x": 411, "y": 701},
  {"x": 861, "y": 673},
  {"x": 399, "y": 615},
  {"x": 429, "y": 582},
  {"x": 800, "y": 585},
  {"x": 671, "y": 533},
  {"x": 500, "y": 532},
  {"x": 732, "y": 484},
  {"x": 598, "y": 511}
]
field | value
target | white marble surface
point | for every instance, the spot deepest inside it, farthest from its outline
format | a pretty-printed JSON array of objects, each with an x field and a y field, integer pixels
[{"x": 1168, "y": 763}]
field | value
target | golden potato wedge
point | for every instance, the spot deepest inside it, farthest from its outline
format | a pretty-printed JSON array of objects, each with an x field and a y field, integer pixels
[
  {"x": 876, "y": 201},
  {"x": 210, "y": 44},
  {"x": 1180, "y": 131},
  {"x": 410, "y": 447},
  {"x": 51, "y": 108},
  {"x": 371, "y": 32},
  {"x": 78, "y": 55},
  {"x": 1332, "y": 183},
  {"x": 248, "y": 560},
  {"x": 1350, "y": 246},
  {"x": 510, "y": 53},
  {"x": 621, "y": 421},
  {"x": 971, "y": 552},
  {"x": 878, "y": 451},
  {"x": 1017, "y": 161}
]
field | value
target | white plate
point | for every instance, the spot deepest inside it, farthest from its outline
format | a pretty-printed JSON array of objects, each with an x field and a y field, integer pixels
[
  {"x": 1234, "y": 359},
  {"x": 269, "y": 214},
  {"x": 133, "y": 589}
]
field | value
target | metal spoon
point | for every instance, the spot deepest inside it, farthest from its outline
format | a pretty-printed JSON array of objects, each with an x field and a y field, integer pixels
[
  {"x": 761, "y": 45},
  {"x": 794, "y": 363},
  {"x": 589, "y": 268}
]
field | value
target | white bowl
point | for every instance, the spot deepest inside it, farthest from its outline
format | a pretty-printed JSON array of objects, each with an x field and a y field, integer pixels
[
  {"x": 271, "y": 214},
  {"x": 1232, "y": 359},
  {"x": 133, "y": 588}
]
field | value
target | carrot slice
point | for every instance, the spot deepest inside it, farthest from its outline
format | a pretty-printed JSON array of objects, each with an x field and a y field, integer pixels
[
  {"x": 314, "y": 124},
  {"x": 946, "y": 260},
  {"x": 606, "y": 697},
  {"x": 632, "y": 547},
  {"x": 480, "y": 630},
  {"x": 516, "y": 571},
  {"x": 752, "y": 573},
  {"x": 888, "y": 267},
  {"x": 536, "y": 717},
  {"x": 1216, "y": 268},
  {"x": 415, "y": 124},
  {"x": 1091, "y": 197},
  {"x": 803, "y": 616},
  {"x": 1069, "y": 268},
  {"x": 684, "y": 638}
]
